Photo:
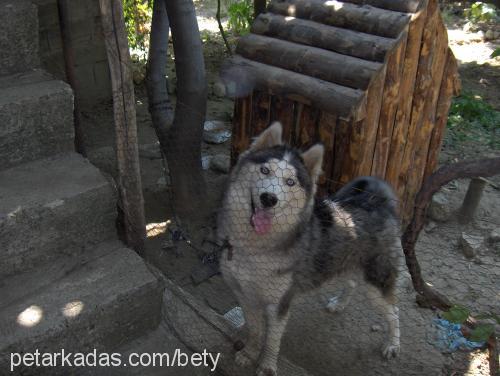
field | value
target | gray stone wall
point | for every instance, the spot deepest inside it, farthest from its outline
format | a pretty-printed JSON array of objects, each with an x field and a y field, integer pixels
[{"x": 90, "y": 55}]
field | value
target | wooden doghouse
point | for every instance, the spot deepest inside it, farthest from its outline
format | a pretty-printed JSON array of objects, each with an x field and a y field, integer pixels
[{"x": 371, "y": 79}]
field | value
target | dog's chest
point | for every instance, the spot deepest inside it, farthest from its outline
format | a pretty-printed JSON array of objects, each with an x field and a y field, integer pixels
[{"x": 257, "y": 276}]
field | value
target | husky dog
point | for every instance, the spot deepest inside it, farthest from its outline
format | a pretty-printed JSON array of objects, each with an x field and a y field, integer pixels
[{"x": 282, "y": 241}]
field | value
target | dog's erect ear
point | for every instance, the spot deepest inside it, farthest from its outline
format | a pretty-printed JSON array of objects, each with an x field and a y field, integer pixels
[
  {"x": 313, "y": 159},
  {"x": 269, "y": 138}
]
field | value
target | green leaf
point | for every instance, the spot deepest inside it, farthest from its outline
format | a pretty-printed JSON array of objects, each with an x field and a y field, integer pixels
[
  {"x": 457, "y": 314},
  {"x": 482, "y": 332},
  {"x": 495, "y": 53}
]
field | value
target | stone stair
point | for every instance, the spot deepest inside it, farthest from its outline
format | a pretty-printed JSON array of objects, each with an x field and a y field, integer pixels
[{"x": 66, "y": 282}]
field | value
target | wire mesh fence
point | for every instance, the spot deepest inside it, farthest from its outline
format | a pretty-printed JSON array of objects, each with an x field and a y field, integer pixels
[{"x": 319, "y": 285}]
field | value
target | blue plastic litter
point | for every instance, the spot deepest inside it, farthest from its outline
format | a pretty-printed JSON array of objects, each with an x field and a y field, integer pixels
[{"x": 449, "y": 338}]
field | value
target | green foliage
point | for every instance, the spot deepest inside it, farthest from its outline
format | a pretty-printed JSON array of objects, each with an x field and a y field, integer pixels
[
  {"x": 481, "y": 12},
  {"x": 495, "y": 53},
  {"x": 482, "y": 332},
  {"x": 471, "y": 118},
  {"x": 240, "y": 16},
  {"x": 457, "y": 314},
  {"x": 138, "y": 14}
]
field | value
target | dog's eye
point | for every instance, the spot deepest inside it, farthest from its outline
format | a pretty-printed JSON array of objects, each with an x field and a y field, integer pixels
[
  {"x": 264, "y": 170},
  {"x": 290, "y": 182}
]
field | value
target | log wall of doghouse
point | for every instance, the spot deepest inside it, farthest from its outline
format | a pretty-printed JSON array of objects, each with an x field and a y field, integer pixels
[{"x": 370, "y": 79}]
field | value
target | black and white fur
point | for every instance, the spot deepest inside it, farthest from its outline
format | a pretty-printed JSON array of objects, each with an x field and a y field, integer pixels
[{"x": 310, "y": 241}]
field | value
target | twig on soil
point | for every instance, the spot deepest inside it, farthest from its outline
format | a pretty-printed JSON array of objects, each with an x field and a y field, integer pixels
[
  {"x": 427, "y": 296},
  {"x": 485, "y": 168},
  {"x": 221, "y": 29}
]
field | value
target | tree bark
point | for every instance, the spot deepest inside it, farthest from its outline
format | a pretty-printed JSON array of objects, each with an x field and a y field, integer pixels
[
  {"x": 156, "y": 80},
  {"x": 182, "y": 143},
  {"x": 69, "y": 63},
  {"x": 259, "y": 6},
  {"x": 129, "y": 177},
  {"x": 343, "y": 41},
  {"x": 350, "y": 16},
  {"x": 242, "y": 76},
  {"x": 461, "y": 170},
  {"x": 311, "y": 61}
]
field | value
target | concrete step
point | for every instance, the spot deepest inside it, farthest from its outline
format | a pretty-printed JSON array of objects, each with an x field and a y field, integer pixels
[
  {"x": 160, "y": 341},
  {"x": 51, "y": 207},
  {"x": 18, "y": 36},
  {"x": 98, "y": 300},
  {"x": 36, "y": 114}
]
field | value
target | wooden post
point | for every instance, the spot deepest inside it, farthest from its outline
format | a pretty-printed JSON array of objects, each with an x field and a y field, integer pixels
[
  {"x": 127, "y": 152},
  {"x": 430, "y": 71},
  {"x": 400, "y": 133},
  {"x": 471, "y": 200},
  {"x": 390, "y": 100},
  {"x": 242, "y": 121}
]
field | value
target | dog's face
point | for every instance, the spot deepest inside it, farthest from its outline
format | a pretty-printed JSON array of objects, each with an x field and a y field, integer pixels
[{"x": 281, "y": 181}]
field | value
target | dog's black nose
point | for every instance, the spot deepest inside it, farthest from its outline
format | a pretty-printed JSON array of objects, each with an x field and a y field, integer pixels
[{"x": 268, "y": 199}]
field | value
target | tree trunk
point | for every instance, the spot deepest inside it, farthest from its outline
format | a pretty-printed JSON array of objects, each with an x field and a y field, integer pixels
[
  {"x": 461, "y": 170},
  {"x": 259, "y": 6},
  {"x": 156, "y": 81},
  {"x": 69, "y": 63},
  {"x": 129, "y": 177},
  {"x": 182, "y": 143}
]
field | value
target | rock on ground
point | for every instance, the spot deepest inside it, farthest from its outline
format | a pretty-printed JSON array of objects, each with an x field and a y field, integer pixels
[
  {"x": 439, "y": 208},
  {"x": 220, "y": 163},
  {"x": 471, "y": 244},
  {"x": 495, "y": 236}
]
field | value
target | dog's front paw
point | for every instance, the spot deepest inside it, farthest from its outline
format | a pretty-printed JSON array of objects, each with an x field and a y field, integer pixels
[
  {"x": 264, "y": 370},
  {"x": 391, "y": 350}
]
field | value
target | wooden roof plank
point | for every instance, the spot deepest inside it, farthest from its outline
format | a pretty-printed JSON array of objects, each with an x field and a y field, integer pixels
[
  {"x": 407, "y": 6},
  {"x": 344, "y": 41},
  {"x": 311, "y": 61},
  {"x": 364, "y": 18},
  {"x": 241, "y": 76}
]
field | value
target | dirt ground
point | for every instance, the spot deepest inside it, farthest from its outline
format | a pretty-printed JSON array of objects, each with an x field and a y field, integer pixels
[{"x": 347, "y": 343}]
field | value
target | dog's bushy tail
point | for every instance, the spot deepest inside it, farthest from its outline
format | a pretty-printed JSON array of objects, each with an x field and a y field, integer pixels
[{"x": 369, "y": 193}]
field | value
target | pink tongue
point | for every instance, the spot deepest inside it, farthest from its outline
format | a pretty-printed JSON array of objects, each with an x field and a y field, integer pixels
[{"x": 261, "y": 221}]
